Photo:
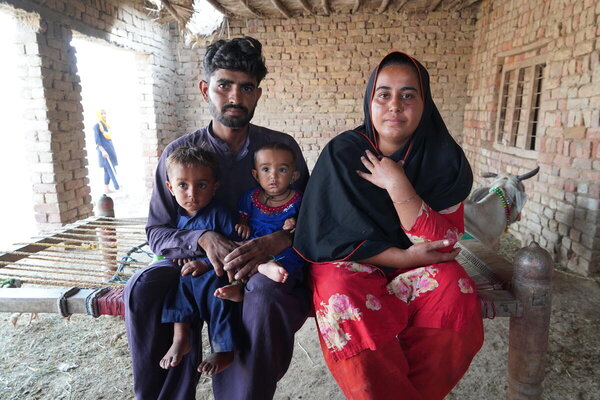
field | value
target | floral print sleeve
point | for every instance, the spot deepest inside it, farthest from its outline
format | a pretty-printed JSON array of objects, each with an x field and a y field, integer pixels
[{"x": 433, "y": 225}]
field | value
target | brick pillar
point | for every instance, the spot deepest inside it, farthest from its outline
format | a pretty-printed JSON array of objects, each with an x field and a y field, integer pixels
[{"x": 62, "y": 194}]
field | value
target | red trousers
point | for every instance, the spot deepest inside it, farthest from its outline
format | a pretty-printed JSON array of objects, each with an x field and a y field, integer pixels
[{"x": 420, "y": 364}]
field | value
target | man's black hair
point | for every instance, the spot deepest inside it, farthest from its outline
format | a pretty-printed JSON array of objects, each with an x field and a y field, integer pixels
[{"x": 238, "y": 54}]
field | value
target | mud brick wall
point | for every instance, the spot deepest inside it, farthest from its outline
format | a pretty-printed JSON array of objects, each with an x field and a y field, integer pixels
[
  {"x": 319, "y": 66},
  {"x": 562, "y": 209}
]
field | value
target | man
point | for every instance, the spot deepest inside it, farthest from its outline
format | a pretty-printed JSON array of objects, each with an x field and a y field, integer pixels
[{"x": 272, "y": 312}]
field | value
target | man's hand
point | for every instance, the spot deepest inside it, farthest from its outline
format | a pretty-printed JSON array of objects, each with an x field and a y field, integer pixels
[
  {"x": 428, "y": 253},
  {"x": 216, "y": 247},
  {"x": 194, "y": 267},
  {"x": 246, "y": 258}
]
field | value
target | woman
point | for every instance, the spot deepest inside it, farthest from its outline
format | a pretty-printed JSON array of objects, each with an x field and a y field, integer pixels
[
  {"x": 397, "y": 317},
  {"x": 107, "y": 156}
]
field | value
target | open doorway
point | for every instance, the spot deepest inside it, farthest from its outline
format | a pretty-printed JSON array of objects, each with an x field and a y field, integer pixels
[
  {"x": 109, "y": 81},
  {"x": 16, "y": 201}
]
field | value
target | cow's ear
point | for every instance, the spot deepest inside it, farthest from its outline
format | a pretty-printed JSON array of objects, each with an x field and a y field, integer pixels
[{"x": 488, "y": 175}]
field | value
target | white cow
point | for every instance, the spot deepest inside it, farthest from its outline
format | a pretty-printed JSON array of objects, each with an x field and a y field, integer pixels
[{"x": 491, "y": 209}]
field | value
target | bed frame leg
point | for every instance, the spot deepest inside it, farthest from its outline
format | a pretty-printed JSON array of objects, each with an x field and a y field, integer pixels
[
  {"x": 528, "y": 337},
  {"x": 108, "y": 238}
]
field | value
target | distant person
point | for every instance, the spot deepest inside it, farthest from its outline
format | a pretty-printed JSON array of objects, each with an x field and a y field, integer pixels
[{"x": 107, "y": 156}]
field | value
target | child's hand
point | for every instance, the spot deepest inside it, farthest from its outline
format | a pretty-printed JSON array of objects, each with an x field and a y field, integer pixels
[
  {"x": 231, "y": 276},
  {"x": 182, "y": 261},
  {"x": 289, "y": 224},
  {"x": 194, "y": 267},
  {"x": 243, "y": 230}
]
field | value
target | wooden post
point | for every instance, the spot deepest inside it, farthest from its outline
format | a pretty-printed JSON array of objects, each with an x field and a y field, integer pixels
[
  {"x": 106, "y": 207},
  {"x": 528, "y": 337},
  {"x": 107, "y": 235}
]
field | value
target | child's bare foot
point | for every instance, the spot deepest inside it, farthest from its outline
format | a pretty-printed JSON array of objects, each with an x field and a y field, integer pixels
[
  {"x": 175, "y": 353},
  {"x": 215, "y": 363},
  {"x": 233, "y": 292},
  {"x": 273, "y": 271}
]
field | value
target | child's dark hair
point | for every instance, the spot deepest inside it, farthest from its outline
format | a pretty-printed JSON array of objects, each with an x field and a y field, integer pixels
[
  {"x": 192, "y": 156},
  {"x": 238, "y": 54},
  {"x": 276, "y": 146}
]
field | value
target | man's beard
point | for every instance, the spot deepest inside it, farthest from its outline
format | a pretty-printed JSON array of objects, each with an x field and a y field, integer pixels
[{"x": 231, "y": 122}]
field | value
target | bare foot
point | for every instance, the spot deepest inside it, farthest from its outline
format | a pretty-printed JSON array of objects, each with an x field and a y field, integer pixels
[
  {"x": 215, "y": 363},
  {"x": 273, "y": 271},
  {"x": 233, "y": 292},
  {"x": 175, "y": 353}
]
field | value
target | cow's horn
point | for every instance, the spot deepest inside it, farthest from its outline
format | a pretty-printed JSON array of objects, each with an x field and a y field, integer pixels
[{"x": 528, "y": 174}]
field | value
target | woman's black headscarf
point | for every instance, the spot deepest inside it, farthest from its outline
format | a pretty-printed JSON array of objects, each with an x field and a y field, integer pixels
[{"x": 344, "y": 217}]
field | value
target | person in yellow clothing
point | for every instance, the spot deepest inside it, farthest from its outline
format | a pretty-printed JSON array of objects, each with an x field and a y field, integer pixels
[{"x": 107, "y": 156}]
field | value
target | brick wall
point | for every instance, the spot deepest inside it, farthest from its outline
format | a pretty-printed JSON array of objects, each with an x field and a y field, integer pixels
[
  {"x": 318, "y": 68},
  {"x": 562, "y": 210},
  {"x": 52, "y": 90}
]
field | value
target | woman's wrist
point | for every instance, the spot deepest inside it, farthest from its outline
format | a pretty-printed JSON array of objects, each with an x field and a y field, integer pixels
[{"x": 402, "y": 194}]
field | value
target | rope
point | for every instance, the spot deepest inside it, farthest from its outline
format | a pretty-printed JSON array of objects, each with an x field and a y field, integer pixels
[
  {"x": 10, "y": 283},
  {"x": 46, "y": 281},
  {"x": 484, "y": 305},
  {"x": 91, "y": 302},
  {"x": 86, "y": 254},
  {"x": 504, "y": 203},
  {"x": 62, "y": 305},
  {"x": 40, "y": 256}
]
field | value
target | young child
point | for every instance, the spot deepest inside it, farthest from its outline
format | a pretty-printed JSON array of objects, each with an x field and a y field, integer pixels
[
  {"x": 192, "y": 180},
  {"x": 268, "y": 208}
]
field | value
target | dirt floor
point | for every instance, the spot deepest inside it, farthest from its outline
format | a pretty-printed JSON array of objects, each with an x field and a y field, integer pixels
[{"x": 87, "y": 358}]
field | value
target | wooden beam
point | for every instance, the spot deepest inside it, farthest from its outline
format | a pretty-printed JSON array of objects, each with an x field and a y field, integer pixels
[
  {"x": 356, "y": 6},
  {"x": 434, "y": 5},
  {"x": 453, "y": 4},
  {"x": 281, "y": 8},
  {"x": 468, "y": 4},
  {"x": 250, "y": 9},
  {"x": 182, "y": 22},
  {"x": 384, "y": 5},
  {"x": 217, "y": 6},
  {"x": 307, "y": 7},
  {"x": 326, "y": 7},
  {"x": 401, "y": 5},
  {"x": 41, "y": 300}
]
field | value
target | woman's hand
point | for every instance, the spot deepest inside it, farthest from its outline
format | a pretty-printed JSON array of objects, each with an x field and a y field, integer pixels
[
  {"x": 417, "y": 255},
  {"x": 428, "y": 253},
  {"x": 384, "y": 173},
  {"x": 245, "y": 259},
  {"x": 216, "y": 247}
]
